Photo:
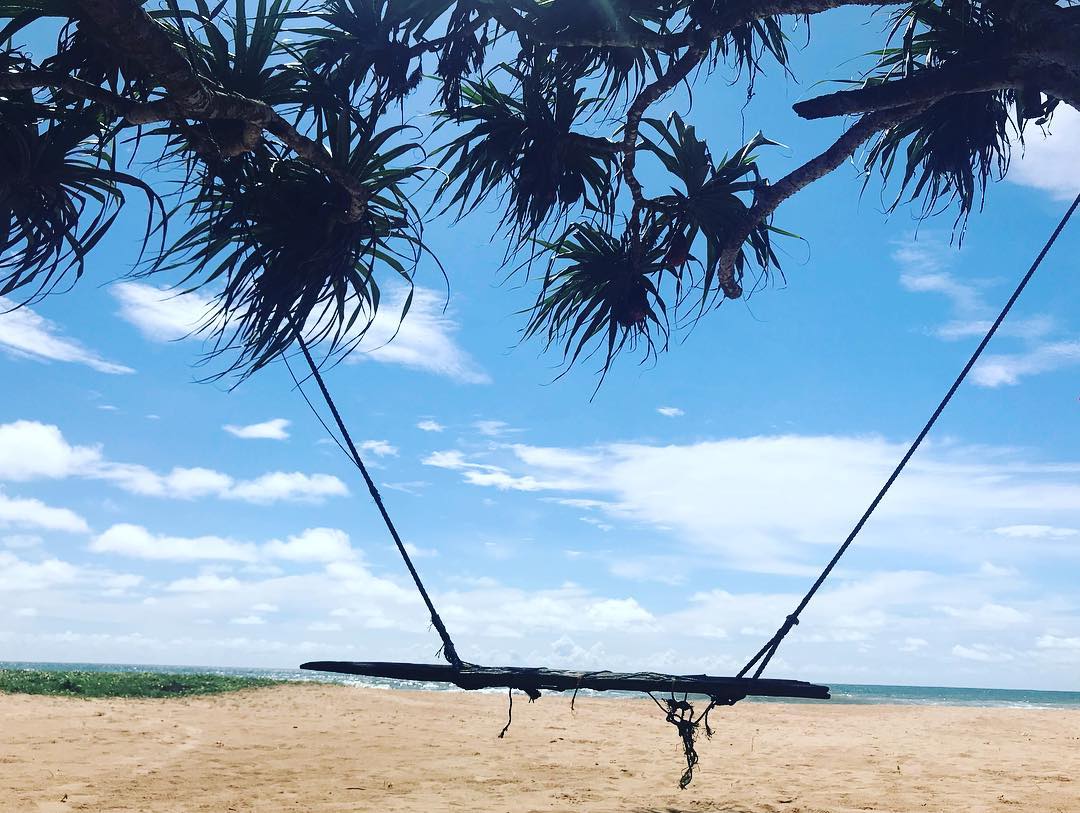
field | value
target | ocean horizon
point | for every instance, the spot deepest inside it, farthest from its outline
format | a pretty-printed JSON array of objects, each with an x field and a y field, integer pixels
[{"x": 842, "y": 693}]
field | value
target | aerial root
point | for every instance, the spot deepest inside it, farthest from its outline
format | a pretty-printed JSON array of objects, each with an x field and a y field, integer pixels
[
  {"x": 680, "y": 713},
  {"x": 509, "y": 713}
]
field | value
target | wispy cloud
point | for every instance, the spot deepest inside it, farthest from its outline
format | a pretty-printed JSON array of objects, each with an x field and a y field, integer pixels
[
  {"x": 379, "y": 448},
  {"x": 766, "y": 503},
  {"x": 159, "y": 314},
  {"x": 134, "y": 541},
  {"x": 670, "y": 411},
  {"x": 424, "y": 340},
  {"x": 429, "y": 425},
  {"x": 493, "y": 429},
  {"x": 26, "y": 334},
  {"x": 274, "y": 429},
  {"x": 30, "y": 450},
  {"x": 924, "y": 271},
  {"x": 1004, "y": 369},
  {"x": 18, "y": 512}
]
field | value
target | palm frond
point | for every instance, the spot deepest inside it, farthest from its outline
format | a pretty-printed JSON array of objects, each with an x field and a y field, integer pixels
[
  {"x": 950, "y": 152},
  {"x": 525, "y": 147},
  {"x": 602, "y": 292},
  {"x": 271, "y": 238},
  {"x": 712, "y": 206},
  {"x": 60, "y": 193}
]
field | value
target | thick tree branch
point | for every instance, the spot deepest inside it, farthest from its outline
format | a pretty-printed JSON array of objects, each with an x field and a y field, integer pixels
[
  {"x": 934, "y": 84},
  {"x": 768, "y": 199},
  {"x": 149, "y": 45},
  {"x": 37, "y": 78},
  {"x": 132, "y": 31},
  {"x": 678, "y": 71},
  {"x": 596, "y": 143}
]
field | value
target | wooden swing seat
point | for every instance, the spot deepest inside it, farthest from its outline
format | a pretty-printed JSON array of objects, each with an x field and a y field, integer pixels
[{"x": 726, "y": 690}]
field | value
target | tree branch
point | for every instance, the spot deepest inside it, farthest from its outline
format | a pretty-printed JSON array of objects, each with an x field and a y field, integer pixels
[
  {"x": 142, "y": 40},
  {"x": 149, "y": 45},
  {"x": 37, "y": 78},
  {"x": 934, "y": 84},
  {"x": 767, "y": 200},
  {"x": 678, "y": 71}
]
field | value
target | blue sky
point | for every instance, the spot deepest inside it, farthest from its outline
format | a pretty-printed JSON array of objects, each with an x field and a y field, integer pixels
[{"x": 668, "y": 523}]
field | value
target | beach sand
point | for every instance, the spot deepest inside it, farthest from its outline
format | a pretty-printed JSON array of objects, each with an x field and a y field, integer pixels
[{"x": 336, "y": 748}]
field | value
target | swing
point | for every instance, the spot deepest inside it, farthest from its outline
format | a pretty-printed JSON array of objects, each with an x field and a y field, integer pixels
[{"x": 721, "y": 691}]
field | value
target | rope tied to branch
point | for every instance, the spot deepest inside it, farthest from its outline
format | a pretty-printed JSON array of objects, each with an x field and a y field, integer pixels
[{"x": 448, "y": 650}]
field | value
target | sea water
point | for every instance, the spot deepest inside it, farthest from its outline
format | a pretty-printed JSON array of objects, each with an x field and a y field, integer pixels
[{"x": 841, "y": 692}]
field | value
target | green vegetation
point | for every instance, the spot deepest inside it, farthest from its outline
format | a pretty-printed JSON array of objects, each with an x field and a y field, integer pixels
[{"x": 122, "y": 684}]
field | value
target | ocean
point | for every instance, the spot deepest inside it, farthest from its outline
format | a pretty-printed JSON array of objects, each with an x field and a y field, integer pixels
[{"x": 841, "y": 692}]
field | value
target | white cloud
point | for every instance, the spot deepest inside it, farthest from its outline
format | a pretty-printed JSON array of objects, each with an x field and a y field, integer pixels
[
  {"x": 204, "y": 583},
  {"x": 670, "y": 411},
  {"x": 1033, "y": 328},
  {"x": 417, "y": 552},
  {"x": 965, "y": 297},
  {"x": 288, "y": 486},
  {"x": 26, "y": 334},
  {"x": 493, "y": 429},
  {"x": 768, "y": 503},
  {"x": 988, "y": 615},
  {"x": 18, "y": 541},
  {"x": 185, "y": 483},
  {"x": 137, "y": 542},
  {"x": 30, "y": 513},
  {"x": 1051, "y": 164},
  {"x": 17, "y": 575},
  {"x": 1008, "y": 368},
  {"x": 379, "y": 448},
  {"x": 913, "y": 644},
  {"x": 248, "y": 620},
  {"x": 313, "y": 545},
  {"x": 449, "y": 459},
  {"x": 1056, "y": 642},
  {"x": 30, "y": 450},
  {"x": 423, "y": 341},
  {"x": 1036, "y": 531},
  {"x": 413, "y": 487},
  {"x": 972, "y": 318},
  {"x": 275, "y": 429},
  {"x": 993, "y": 571},
  {"x": 429, "y": 425},
  {"x": 617, "y": 612},
  {"x": 982, "y": 653},
  {"x": 180, "y": 483},
  {"x": 159, "y": 314}
]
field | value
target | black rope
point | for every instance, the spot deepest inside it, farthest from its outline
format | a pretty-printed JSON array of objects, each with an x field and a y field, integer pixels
[
  {"x": 315, "y": 412},
  {"x": 766, "y": 653},
  {"x": 509, "y": 713},
  {"x": 448, "y": 650}
]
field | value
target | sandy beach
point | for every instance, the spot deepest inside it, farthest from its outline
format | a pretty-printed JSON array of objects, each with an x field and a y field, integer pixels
[{"x": 334, "y": 748}]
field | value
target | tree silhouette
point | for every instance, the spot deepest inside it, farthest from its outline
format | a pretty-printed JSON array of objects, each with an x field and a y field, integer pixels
[{"x": 291, "y": 179}]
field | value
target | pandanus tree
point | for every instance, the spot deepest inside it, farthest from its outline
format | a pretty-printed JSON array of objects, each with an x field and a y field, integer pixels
[{"x": 270, "y": 146}]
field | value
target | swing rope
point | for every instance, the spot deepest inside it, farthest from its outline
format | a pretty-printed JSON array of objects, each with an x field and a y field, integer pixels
[
  {"x": 449, "y": 651},
  {"x": 765, "y": 654},
  {"x": 680, "y": 713}
]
